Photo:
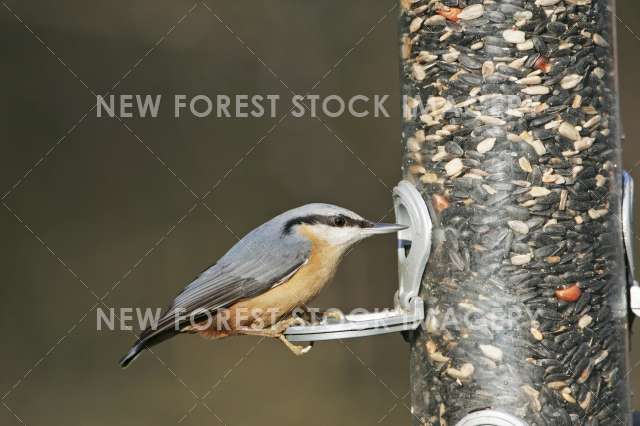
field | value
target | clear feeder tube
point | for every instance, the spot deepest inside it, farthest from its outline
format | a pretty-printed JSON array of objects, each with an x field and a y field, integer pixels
[{"x": 511, "y": 133}]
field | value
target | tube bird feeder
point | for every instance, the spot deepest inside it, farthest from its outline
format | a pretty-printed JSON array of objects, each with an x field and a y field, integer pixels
[{"x": 511, "y": 134}]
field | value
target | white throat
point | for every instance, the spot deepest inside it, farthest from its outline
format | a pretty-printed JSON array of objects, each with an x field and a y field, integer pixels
[{"x": 343, "y": 237}]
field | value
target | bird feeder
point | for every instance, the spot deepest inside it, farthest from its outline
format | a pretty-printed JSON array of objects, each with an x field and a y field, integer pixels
[
  {"x": 511, "y": 134},
  {"x": 516, "y": 272}
]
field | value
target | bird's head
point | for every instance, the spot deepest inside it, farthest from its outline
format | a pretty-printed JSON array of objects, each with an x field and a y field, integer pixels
[{"x": 334, "y": 225}]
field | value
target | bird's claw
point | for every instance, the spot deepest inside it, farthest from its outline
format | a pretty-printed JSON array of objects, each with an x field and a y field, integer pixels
[
  {"x": 297, "y": 350},
  {"x": 333, "y": 314},
  {"x": 317, "y": 317},
  {"x": 306, "y": 349},
  {"x": 282, "y": 326},
  {"x": 277, "y": 331}
]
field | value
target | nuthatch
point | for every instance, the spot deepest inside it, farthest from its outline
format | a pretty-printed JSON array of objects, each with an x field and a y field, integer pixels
[{"x": 275, "y": 269}]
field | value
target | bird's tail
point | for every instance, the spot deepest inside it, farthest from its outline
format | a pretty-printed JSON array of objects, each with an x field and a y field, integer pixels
[{"x": 145, "y": 342}]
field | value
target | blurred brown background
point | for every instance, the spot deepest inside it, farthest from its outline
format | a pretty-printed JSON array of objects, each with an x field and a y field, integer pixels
[{"x": 103, "y": 209}]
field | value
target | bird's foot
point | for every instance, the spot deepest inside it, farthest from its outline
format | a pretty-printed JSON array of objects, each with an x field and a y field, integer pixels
[
  {"x": 277, "y": 331},
  {"x": 333, "y": 314},
  {"x": 297, "y": 350},
  {"x": 315, "y": 316},
  {"x": 282, "y": 326}
]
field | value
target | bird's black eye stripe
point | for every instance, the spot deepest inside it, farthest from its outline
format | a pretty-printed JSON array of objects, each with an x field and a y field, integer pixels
[
  {"x": 309, "y": 220},
  {"x": 337, "y": 221}
]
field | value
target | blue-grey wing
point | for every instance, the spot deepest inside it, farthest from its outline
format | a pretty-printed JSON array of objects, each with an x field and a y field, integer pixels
[{"x": 253, "y": 266}]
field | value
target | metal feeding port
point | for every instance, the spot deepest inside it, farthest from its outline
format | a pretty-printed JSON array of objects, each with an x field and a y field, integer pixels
[{"x": 414, "y": 245}]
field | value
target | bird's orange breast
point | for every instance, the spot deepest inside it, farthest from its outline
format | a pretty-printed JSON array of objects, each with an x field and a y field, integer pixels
[{"x": 299, "y": 289}]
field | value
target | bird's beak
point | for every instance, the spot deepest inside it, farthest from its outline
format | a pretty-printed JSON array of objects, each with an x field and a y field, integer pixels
[{"x": 384, "y": 228}]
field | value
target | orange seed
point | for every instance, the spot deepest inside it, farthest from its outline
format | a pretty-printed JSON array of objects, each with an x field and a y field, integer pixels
[
  {"x": 569, "y": 294},
  {"x": 451, "y": 13},
  {"x": 542, "y": 64},
  {"x": 440, "y": 202}
]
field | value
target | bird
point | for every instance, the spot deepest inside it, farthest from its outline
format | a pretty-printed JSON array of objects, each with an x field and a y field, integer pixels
[{"x": 273, "y": 270}]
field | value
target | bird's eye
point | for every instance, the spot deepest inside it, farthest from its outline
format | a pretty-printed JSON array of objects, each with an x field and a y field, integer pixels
[{"x": 339, "y": 221}]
